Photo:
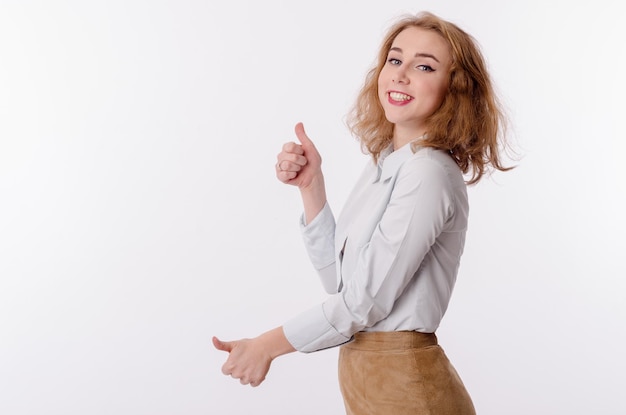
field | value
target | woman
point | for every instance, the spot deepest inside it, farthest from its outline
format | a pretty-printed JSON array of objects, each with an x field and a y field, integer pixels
[{"x": 427, "y": 114}]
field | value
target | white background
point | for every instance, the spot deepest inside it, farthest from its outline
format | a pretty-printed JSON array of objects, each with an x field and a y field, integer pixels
[{"x": 140, "y": 215}]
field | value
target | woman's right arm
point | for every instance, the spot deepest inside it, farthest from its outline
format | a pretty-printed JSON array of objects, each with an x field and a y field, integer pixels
[{"x": 301, "y": 165}]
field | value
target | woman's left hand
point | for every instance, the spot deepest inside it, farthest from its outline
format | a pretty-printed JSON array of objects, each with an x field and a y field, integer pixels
[{"x": 247, "y": 360}]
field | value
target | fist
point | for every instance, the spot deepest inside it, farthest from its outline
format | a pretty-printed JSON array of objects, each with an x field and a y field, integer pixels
[
  {"x": 247, "y": 360},
  {"x": 298, "y": 164}
]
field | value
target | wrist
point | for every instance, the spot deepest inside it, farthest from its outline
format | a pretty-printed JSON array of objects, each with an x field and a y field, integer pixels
[
  {"x": 275, "y": 343},
  {"x": 313, "y": 198},
  {"x": 315, "y": 187}
]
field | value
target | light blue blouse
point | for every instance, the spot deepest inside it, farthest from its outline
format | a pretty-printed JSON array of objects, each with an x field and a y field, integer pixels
[{"x": 391, "y": 260}]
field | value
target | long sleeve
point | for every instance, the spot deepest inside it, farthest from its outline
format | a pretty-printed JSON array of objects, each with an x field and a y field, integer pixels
[
  {"x": 318, "y": 236},
  {"x": 319, "y": 240}
]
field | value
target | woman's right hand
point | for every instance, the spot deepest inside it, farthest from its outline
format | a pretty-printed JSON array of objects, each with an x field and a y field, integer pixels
[{"x": 299, "y": 164}]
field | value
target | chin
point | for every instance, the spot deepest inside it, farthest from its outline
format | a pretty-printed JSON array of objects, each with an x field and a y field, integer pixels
[{"x": 394, "y": 119}]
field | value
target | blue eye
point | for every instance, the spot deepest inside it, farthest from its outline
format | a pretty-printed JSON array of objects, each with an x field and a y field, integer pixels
[
  {"x": 394, "y": 61},
  {"x": 425, "y": 68}
]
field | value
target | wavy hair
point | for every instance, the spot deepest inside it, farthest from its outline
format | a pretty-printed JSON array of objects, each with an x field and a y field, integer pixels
[{"x": 469, "y": 124}]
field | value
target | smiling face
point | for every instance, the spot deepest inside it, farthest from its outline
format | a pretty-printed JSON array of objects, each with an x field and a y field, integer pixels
[{"x": 413, "y": 82}]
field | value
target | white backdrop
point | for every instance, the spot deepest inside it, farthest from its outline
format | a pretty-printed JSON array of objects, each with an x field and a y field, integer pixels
[{"x": 139, "y": 213}]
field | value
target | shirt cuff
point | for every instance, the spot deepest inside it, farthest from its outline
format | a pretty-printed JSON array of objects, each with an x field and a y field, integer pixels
[{"x": 310, "y": 331}]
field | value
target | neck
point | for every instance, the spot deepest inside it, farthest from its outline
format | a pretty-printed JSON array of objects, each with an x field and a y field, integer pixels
[{"x": 402, "y": 136}]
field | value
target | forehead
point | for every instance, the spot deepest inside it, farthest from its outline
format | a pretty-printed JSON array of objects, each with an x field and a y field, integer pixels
[{"x": 418, "y": 40}]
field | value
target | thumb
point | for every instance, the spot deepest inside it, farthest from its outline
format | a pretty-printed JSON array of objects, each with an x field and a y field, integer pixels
[
  {"x": 302, "y": 137},
  {"x": 223, "y": 346}
]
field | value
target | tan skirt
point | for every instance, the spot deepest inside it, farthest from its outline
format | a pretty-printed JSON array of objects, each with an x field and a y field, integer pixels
[{"x": 400, "y": 373}]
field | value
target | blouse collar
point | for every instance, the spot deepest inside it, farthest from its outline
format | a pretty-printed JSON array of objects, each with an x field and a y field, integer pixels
[{"x": 389, "y": 161}]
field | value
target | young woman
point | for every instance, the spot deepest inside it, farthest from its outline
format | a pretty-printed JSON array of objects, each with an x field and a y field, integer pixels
[{"x": 427, "y": 114}]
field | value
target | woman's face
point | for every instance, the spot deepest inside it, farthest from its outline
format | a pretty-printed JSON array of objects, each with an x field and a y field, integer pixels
[{"x": 414, "y": 81}]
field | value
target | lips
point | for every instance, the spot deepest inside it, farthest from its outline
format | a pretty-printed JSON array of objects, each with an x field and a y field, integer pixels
[{"x": 399, "y": 98}]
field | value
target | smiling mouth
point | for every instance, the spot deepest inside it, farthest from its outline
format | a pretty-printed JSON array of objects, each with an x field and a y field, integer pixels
[{"x": 399, "y": 97}]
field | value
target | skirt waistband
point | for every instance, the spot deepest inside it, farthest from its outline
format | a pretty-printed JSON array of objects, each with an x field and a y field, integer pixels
[{"x": 391, "y": 340}]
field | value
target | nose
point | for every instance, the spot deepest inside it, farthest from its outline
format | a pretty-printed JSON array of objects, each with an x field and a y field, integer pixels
[{"x": 399, "y": 77}]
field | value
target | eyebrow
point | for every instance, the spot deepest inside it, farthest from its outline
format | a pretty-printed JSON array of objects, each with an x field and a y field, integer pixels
[{"x": 417, "y": 55}]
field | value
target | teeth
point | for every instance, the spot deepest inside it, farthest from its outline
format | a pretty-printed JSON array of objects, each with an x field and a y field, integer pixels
[{"x": 397, "y": 96}]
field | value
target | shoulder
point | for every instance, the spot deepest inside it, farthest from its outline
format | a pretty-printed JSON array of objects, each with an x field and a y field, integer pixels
[
  {"x": 433, "y": 177},
  {"x": 433, "y": 165}
]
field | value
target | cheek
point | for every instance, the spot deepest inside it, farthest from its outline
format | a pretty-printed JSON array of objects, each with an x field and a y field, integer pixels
[
  {"x": 381, "y": 88},
  {"x": 439, "y": 94},
  {"x": 381, "y": 82},
  {"x": 384, "y": 78},
  {"x": 444, "y": 86},
  {"x": 438, "y": 91}
]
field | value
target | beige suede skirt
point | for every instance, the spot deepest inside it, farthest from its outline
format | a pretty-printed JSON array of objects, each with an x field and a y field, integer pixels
[{"x": 400, "y": 373}]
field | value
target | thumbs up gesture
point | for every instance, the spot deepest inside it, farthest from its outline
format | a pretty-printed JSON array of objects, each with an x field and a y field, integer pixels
[
  {"x": 299, "y": 164},
  {"x": 248, "y": 360}
]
